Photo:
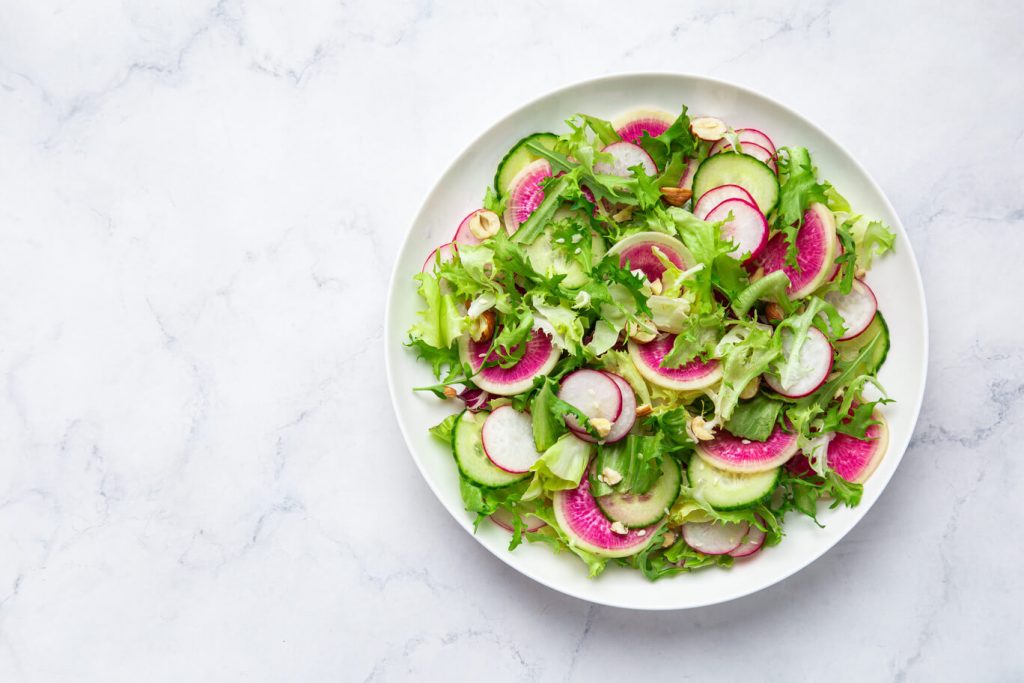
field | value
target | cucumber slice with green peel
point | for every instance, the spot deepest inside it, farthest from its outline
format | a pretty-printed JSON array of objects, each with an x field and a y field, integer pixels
[
  {"x": 730, "y": 168},
  {"x": 549, "y": 260},
  {"x": 473, "y": 462},
  {"x": 635, "y": 511},
  {"x": 729, "y": 490},
  {"x": 849, "y": 349},
  {"x": 518, "y": 158}
]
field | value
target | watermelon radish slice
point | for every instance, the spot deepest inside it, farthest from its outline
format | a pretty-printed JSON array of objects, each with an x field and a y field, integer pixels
[
  {"x": 715, "y": 196},
  {"x": 627, "y": 416},
  {"x": 632, "y": 125},
  {"x": 503, "y": 518},
  {"x": 463, "y": 235},
  {"x": 756, "y": 137},
  {"x": 751, "y": 543},
  {"x": 594, "y": 393},
  {"x": 445, "y": 252},
  {"x": 625, "y": 155},
  {"x": 814, "y": 364},
  {"x": 749, "y": 148},
  {"x": 816, "y": 251},
  {"x": 540, "y": 357},
  {"x": 588, "y": 529},
  {"x": 715, "y": 538},
  {"x": 636, "y": 253},
  {"x": 747, "y": 229},
  {"x": 857, "y": 308},
  {"x": 525, "y": 193},
  {"x": 733, "y": 454},
  {"x": 855, "y": 459},
  {"x": 693, "y": 375},
  {"x": 508, "y": 440}
]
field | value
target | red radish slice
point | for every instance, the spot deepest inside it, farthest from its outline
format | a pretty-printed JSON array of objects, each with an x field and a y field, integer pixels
[
  {"x": 540, "y": 357},
  {"x": 715, "y": 538},
  {"x": 751, "y": 543},
  {"x": 632, "y": 125},
  {"x": 503, "y": 518},
  {"x": 814, "y": 364},
  {"x": 507, "y": 436},
  {"x": 625, "y": 155},
  {"x": 747, "y": 228},
  {"x": 588, "y": 529},
  {"x": 750, "y": 149},
  {"x": 594, "y": 393},
  {"x": 627, "y": 416},
  {"x": 463, "y": 235},
  {"x": 637, "y": 253},
  {"x": 816, "y": 251},
  {"x": 686, "y": 180},
  {"x": 734, "y": 454},
  {"x": 693, "y": 375},
  {"x": 756, "y": 137},
  {"x": 525, "y": 193},
  {"x": 855, "y": 459},
  {"x": 716, "y": 195},
  {"x": 445, "y": 252},
  {"x": 856, "y": 308}
]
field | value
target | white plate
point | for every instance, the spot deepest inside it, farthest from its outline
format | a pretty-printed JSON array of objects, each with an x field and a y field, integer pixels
[{"x": 895, "y": 280}]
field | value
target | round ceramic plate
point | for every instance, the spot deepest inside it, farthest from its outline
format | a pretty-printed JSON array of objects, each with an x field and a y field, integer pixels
[{"x": 894, "y": 278}]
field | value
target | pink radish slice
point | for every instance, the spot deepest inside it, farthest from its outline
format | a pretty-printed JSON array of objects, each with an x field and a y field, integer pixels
[
  {"x": 747, "y": 229},
  {"x": 686, "y": 180},
  {"x": 716, "y": 195},
  {"x": 816, "y": 243},
  {"x": 446, "y": 252},
  {"x": 636, "y": 252},
  {"x": 507, "y": 436},
  {"x": 463, "y": 235},
  {"x": 750, "y": 149},
  {"x": 734, "y": 454},
  {"x": 751, "y": 543},
  {"x": 581, "y": 519},
  {"x": 632, "y": 125},
  {"x": 756, "y": 137},
  {"x": 815, "y": 362},
  {"x": 538, "y": 359},
  {"x": 624, "y": 423},
  {"x": 505, "y": 520},
  {"x": 625, "y": 155},
  {"x": 693, "y": 375},
  {"x": 525, "y": 193},
  {"x": 594, "y": 393},
  {"x": 715, "y": 538},
  {"x": 857, "y": 308},
  {"x": 856, "y": 459}
]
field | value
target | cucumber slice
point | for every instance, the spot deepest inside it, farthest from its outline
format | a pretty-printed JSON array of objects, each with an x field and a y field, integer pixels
[
  {"x": 640, "y": 511},
  {"x": 730, "y": 490},
  {"x": 469, "y": 453},
  {"x": 850, "y": 348},
  {"x": 731, "y": 168},
  {"x": 545, "y": 258},
  {"x": 517, "y": 159}
]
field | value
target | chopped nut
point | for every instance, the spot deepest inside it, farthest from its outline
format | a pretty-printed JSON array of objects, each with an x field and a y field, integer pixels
[
  {"x": 699, "y": 428},
  {"x": 644, "y": 410},
  {"x": 670, "y": 538},
  {"x": 750, "y": 391},
  {"x": 774, "y": 312},
  {"x": 450, "y": 392},
  {"x": 482, "y": 327},
  {"x": 709, "y": 128},
  {"x": 610, "y": 476},
  {"x": 642, "y": 532},
  {"x": 623, "y": 215},
  {"x": 642, "y": 331},
  {"x": 860, "y": 273},
  {"x": 656, "y": 287},
  {"x": 601, "y": 426},
  {"x": 484, "y": 224},
  {"x": 619, "y": 528},
  {"x": 676, "y": 196}
]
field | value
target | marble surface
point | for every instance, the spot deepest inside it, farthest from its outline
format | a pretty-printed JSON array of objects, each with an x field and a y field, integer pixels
[{"x": 200, "y": 205}]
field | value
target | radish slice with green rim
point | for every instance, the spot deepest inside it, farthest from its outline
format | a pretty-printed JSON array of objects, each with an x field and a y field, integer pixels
[
  {"x": 816, "y": 243},
  {"x": 856, "y": 459},
  {"x": 525, "y": 193},
  {"x": 627, "y": 416},
  {"x": 857, "y": 308},
  {"x": 814, "y": 364},
  {"x": 579, "y": 516},
  {"x": 507, "y": 436},
  {"x": 503, "y": 518},
  {"x": 751, "y": 543},
  {"x": 637, "y": 253},
  {"x": 538, "y": 359},
  {"x": 446, "y": 252},
  {"x": 463, "y": 235},
  {"x": 715, "y": 196},
  {"x": 747, "y": 227},
  {"x": 594, "y": 393},
  {"x": 632, "y": 125},
  {"x": 735, "y": 454},
  {"x": 689, "y": 377},
  {"x": 715, "y": 538},
  {"x": 626, "y": 155}
]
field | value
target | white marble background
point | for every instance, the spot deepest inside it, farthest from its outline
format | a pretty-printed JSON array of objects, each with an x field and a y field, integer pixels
[{"x": 200, "y": 476}]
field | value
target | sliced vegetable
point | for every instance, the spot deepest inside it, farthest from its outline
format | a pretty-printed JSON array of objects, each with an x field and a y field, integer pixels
[
  {"x": 518, "y": 158},
  {"x": 724, "y": 490},
  {"x": 814, "y": 364},
  {"x": 816, "y": 245},
  {"x": 538, "y": 360},
  {"x": 730, "y": 168},
  {"x": 856, "y": 459},
  {"x": 715, "y": 538},
  {"x": 745, "y": 226},
  {"x": 735, "y": 454},
  {"x": 636, "y": 252},
  {"x": 594, "y": 393},
  {"x": 641, "y": 510},
  {"x": 507, "y": 436},
  {"x": 587, "y": 528},
  {"x": 857, "y": 308},
  {"x": 469, "y": 453},
  {"x": 525, "y": 193}
]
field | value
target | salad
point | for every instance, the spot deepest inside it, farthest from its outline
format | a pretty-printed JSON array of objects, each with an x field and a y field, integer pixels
[{"x": 658, "y": 341}]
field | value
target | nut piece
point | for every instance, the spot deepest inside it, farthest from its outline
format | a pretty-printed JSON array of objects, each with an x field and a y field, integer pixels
[
  {"x": 484, "y": 224},
  {"x": 601, "y": 426},
  {"x": 449, "y": 392},
  {"x": 670, "y": 538},
  {"x": 642, "y": 331},
  {"x": 750, "y": 391},
  {"x": 860, "y": 273},
  {"x": 619, "y": 528},
  {"x": 709, "y": 128},
  {"x": 676, "y": 196},
  {"x": 623, "y": 215},
  {"x": 482, "y": 327},
  {"x": 699, "y": 428},
  {"x": 610, "y": 476},
  {"x": 774, "y": 312},
  {"x": 644, "y": 410},
  {"x": 656, "y": 287}
]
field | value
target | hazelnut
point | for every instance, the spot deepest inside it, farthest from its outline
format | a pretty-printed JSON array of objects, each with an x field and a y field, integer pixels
[
  {"x": 700, "y": 430},
  {"x": 750, "y": 391},
  {"x": 708, "y": 128},
  {"x": 676, "y": 196},
  {"x": 484, "y": 224},
  {"x": 481, "y": 329}
]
